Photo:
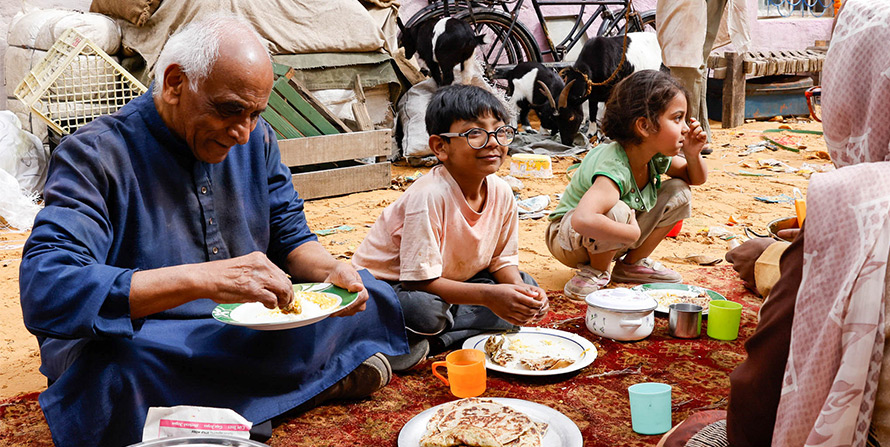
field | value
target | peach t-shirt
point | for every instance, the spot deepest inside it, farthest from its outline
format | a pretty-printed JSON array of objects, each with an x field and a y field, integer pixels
[{"x": 431, "y": 232}]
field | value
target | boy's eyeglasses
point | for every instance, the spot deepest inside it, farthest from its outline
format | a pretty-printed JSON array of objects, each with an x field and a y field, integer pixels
[
  {"x": 814, "y": 102},
  {"x": 477, "y": 137}
]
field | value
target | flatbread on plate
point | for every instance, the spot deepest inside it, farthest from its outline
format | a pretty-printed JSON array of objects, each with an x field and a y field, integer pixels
[{"x": 509, "y": 427}]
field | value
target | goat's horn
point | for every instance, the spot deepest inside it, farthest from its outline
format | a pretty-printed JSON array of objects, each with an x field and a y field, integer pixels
[
  {"x": 564, "y": 95},
  {"x": 546, "y": 92}
]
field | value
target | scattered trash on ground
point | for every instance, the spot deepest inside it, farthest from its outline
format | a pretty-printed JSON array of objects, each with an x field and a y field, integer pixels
[
  {"x": 776, "y": 165},
  {"x": 754, "y": 174},
  {"x": 515, "y": 184},
  {"x": 720, "y": 232},
  {"x": 757, "y": 147},
  {"x": 330, "y": 231},
  {"x": 701, "y": 259},
  {"x": 781, "y": 198},
  {"x": 533, "y": 207},
  {"x": 402, "y": 181}
]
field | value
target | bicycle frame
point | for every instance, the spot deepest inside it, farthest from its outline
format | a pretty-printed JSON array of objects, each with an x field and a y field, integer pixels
[
  {"x": 558, "y": 52},
  {"x": 579, "y": 28}
]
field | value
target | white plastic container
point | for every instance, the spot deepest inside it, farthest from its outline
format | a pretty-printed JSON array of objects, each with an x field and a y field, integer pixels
[
  {"x": 531, "y": 166},
  {"x": 620, "y": 314}
]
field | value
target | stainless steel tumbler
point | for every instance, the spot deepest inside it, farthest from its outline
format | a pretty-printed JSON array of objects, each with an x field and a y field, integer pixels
[{"x": 684, "y": 320}]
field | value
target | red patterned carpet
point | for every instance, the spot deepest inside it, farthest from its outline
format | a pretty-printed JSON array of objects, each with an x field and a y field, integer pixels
[{"x": 595, "y": 398}]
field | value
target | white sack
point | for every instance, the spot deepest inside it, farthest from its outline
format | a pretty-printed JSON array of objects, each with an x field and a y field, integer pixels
[
  {"x": 41, "y": 28},
  {"x": 30, "y": 121},
  {"x": 26, "y": 25},
  {"x": 19, "y": 62},
  {"x": 340, "y": 101},
  {"x": 292, "y": 27},
  {"x": 412, "y": 114},
  {"x": 412, "y": 109},
  {"x": 101, "y": 30},
  {"x": 22, "y": 154}
]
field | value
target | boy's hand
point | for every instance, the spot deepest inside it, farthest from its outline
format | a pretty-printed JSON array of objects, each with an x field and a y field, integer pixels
[
  {"x": 696, "y": 139},
  {"x": 519, "y": 304}
]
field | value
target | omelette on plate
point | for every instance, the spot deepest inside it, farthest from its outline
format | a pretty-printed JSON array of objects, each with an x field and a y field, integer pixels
[{"x": 514, "y": 352}]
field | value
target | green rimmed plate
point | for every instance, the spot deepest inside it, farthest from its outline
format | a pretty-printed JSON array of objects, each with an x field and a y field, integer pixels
[
  {"x": 659, "y": 290},
  {"x": 256, "y": 316}
]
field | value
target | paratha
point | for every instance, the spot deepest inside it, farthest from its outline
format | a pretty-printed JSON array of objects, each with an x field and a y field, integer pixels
[{"x": 510, "y": 428}]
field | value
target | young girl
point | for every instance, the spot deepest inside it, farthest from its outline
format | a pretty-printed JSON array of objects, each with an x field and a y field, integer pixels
[{"x": 617, "y": 207}]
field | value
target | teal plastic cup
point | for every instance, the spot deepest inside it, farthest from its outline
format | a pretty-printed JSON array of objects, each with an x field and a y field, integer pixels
[
  {"x": 724, "y": 318},
  {"x": 650, "y": 408}
]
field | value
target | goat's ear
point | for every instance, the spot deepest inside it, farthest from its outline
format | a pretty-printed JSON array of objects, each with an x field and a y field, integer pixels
[{"x": 482, "y": 39}]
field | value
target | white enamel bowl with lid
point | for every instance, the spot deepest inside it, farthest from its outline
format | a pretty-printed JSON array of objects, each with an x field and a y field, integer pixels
[{"x": 620, "y": 314}]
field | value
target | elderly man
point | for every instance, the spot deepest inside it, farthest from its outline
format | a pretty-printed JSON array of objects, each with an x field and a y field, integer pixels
[{"x": 153, "y": 216}]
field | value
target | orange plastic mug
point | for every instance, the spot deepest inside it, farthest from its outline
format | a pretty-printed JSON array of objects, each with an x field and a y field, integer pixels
[{"x": 466, "y": 372}]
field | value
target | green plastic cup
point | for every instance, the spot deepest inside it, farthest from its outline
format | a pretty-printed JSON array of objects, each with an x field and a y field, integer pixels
[
  {"x": 723, "y": 320},
  {"x": 650, "y": 408}
]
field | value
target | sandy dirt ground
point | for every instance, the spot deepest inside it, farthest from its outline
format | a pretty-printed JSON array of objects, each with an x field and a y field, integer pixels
[{"x": 735, "y": 179}]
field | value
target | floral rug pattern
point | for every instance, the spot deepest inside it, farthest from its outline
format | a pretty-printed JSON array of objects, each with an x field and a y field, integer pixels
[{"x": 595, "y": 398}]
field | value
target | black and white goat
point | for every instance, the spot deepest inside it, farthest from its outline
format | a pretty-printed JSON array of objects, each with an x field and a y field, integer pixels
[
  {"x": 596, "y": 62},
  {"x": 441, "y": 45},
  {"x": 532, "y": 86}
]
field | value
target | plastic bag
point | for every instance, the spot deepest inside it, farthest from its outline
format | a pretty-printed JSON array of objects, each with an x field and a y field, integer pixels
[
  {"x": 22, "y": 154},
  {"x": 16, "y": 207}
]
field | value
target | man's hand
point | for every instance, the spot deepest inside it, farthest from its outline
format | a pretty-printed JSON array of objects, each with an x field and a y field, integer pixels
[
  {"x": 745, "y": 256},
  {"x": 789, "y": 234},
  {"x": 249, "y": 278},
  {"x": 245, "y": 279},
  {"x": 345, "y": 276},
  {"x": 518, "y": 304},
  {"x": 696, "y": 139}
]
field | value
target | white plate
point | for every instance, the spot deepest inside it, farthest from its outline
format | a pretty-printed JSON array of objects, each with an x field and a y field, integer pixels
[
  {"x": 657, "y": 287},
  {"x": 256, "y": 316},
  {"x": 562, "y": 432},
  {"x": 572, "y": 345}
]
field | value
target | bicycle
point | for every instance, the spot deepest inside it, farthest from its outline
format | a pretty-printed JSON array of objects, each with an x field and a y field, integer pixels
[{"x": 510, "y": 42}]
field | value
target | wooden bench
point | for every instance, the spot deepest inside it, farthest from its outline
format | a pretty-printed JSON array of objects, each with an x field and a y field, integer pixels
[{"x": 733, "y": 69}]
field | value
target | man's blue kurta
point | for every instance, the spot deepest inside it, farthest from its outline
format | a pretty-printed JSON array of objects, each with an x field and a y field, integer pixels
[{"x": 126, "y": 194}]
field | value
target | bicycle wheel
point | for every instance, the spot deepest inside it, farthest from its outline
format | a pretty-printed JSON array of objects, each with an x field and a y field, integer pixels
[
  {"x": 507, "y": 43},
  {"x": 615, "y": 25}
]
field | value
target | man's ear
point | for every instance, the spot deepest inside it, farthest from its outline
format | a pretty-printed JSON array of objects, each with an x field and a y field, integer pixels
[
  {"x": 643, "y": 127},
  {"x": 437, "y": 145},
  {"x": 174, "y": 83}
]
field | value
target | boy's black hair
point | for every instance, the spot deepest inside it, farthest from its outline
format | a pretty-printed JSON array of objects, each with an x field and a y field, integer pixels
[
  {"x": 461, "y": 102},
  {"x": 646, "y": 94}
]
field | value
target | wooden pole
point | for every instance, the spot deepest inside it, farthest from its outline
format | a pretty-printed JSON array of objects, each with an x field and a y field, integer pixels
[{"x": 734, "y": 91}]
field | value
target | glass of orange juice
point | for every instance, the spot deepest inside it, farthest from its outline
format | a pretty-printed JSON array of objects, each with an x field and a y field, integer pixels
[{"x": 466, "y": 372}]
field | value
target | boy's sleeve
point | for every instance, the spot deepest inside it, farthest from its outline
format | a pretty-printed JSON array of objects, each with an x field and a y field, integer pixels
[
  {"x": 420, "y": 251},
  {"x": 507, "y": 250}
]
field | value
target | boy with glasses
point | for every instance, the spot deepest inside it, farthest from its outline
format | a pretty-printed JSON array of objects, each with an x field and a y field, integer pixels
[{"x": 449, "y": 244}]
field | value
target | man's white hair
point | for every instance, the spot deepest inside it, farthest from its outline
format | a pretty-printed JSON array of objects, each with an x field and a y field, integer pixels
[{"x": 195, "y": 48}]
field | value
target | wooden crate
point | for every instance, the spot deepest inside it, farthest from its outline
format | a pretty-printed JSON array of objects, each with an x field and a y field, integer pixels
[
  {"x": 339, "y": 149},
  {"x": 320, "y": 149}
]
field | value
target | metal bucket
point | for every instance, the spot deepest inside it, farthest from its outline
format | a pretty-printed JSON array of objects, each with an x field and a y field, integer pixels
[{"x": 782, "y": 223}]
